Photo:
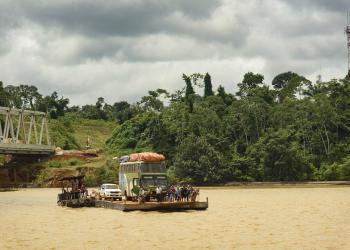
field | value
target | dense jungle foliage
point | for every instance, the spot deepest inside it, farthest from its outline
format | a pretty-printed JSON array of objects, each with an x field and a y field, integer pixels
[{"x": 289, "y": 130}]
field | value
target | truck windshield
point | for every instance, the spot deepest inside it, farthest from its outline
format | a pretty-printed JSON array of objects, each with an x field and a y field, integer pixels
[{"x": 111, "y": 186}]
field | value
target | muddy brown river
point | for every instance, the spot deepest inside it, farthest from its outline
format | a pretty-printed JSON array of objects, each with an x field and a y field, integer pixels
[{"x": 237, "y": 218}]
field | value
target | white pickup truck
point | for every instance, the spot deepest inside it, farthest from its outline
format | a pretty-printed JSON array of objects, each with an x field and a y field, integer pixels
[{"x": 110, "y": 191}]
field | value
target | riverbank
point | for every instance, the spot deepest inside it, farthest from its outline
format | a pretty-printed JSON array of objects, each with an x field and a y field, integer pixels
[
  {"x": 8, "y": 189},
  {"x": 278, "y": 184},
  {"x": 308, "y": 184}
]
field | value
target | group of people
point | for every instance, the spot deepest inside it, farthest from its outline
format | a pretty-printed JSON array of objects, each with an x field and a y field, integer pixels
[
  {"x": 173, "y": 193},
  {"x": 182, "y": 193}
]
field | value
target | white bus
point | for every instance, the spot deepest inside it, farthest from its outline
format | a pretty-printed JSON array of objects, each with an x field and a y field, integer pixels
[{"x": 148, "y": 175}]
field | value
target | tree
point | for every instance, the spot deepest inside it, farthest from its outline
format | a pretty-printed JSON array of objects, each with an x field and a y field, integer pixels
[
  {"x": 227, "y": 98},
  {"x": 101, "y": 108},
  {"x": 4, "y": 97},
  {"x": 152, "y": 101},
  {"x": 121, "y": 111},
  {"x": 297, "y": 87},
  {"x": 280, "y": 81},
  {"x": 52, "y": 104},
  {"x": 30, "y": 95},
  {"x": 208, "y": 88},
  {"x": 196, "y": 160},
  {"x": 297, "y": 131},
  {"x": 23, "y": 96},
  {"x": 281, "y": 157},
  {"x": 249, "y": 82},
  {"x": 60, "y": 104},
  {"x": 189, "y": 94}
]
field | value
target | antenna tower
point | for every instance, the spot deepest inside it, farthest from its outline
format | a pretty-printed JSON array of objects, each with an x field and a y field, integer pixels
[{"x": 347, "y": 32}]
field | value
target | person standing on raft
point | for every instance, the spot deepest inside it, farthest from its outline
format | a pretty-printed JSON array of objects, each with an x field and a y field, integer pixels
[{"x": 159, "y": 193}]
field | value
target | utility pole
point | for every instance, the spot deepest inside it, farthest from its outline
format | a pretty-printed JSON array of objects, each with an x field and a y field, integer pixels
[{"x": 347, "y": 32}]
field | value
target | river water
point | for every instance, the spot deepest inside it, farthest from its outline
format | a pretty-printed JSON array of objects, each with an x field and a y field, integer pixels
[{"x": 237, "y": 218}]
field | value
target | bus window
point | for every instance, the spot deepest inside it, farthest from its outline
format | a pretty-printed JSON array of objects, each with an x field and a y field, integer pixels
[{"x": 136, "y": 182}]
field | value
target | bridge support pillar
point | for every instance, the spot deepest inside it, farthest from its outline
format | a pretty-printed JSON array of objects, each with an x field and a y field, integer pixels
[{"x": 20, "y": 169}]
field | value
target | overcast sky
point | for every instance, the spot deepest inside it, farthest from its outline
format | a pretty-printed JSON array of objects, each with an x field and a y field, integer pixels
[{"x": 119, "y": 49}]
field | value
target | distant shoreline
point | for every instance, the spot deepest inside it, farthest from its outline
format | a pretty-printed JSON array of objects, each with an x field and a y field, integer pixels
[
  {"x": 305, "y": 184},
  {"x": 277, "y": 184},
  {"x": 8, "y": 189}
]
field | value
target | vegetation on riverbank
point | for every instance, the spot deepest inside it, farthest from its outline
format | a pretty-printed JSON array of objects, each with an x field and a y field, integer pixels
[
  {"x": 289, "y": 130},
  {"x": 70, "y": 132}
]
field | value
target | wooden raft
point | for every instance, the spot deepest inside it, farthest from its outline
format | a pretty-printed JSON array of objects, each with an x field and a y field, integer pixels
[{"x": 152, "y": 206}]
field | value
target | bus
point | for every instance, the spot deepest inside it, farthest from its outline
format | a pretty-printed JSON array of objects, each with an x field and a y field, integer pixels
[{"x": 148, "y": 175}]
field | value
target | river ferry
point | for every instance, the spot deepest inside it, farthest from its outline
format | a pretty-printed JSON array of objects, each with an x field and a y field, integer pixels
[{"x": 73, "y": 192}]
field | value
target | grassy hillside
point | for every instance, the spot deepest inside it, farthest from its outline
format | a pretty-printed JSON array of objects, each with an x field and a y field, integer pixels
[
  {"x": 97, "y": 130},
  {"x": 72, "y": 133}
]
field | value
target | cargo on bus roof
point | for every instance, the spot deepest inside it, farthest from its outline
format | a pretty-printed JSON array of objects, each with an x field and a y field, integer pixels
[{"x": 145, "y": 157}]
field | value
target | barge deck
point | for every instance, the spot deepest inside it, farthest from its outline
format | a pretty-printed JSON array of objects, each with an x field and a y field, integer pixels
[{"x": 152, "y": 206}]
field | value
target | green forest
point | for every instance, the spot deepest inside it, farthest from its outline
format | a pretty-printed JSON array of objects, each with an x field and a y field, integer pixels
[{"x": 291, "y": 129}]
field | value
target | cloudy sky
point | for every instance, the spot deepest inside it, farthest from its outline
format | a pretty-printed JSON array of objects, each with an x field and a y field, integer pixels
[{"x": 119, "y": 49}]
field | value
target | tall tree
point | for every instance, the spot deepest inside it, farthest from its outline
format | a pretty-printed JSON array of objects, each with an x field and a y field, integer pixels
[
  {"x": 189, "y": 87},
  {"x": 208, "y": 88},
  {"x": 189, "y": 94}
]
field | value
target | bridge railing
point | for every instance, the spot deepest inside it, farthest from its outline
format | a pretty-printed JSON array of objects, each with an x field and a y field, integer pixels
[{"x": 14, "y": 128}]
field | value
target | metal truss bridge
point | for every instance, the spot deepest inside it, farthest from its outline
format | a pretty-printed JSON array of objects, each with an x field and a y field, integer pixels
[{"x": 24, "y": 132}]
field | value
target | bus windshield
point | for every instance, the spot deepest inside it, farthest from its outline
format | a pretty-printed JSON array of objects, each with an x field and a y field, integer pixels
[
  {"x": 161, "y": 180},
  {"x": 147, "y": 181},
  {"x": 154, "y": 180}
]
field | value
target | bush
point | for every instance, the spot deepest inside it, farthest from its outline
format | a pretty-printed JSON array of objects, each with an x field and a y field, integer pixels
[
  {"x": 97, "y": 176},
  {"x": 41, "y": 178},
  {"x": 55, "y": 164},
  {"x": 336, "y": 171},
  {"x": 62, "y": 134},
  {"x": 74, "y": 162},
  {"x": 91, "y": 181}
]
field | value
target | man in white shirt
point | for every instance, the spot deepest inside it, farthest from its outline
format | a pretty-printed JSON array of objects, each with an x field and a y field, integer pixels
[{"x": 159, "y": 193}]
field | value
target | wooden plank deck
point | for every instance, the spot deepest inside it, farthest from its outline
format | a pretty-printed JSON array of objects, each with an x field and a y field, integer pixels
[{"x": 152, "y": 206}]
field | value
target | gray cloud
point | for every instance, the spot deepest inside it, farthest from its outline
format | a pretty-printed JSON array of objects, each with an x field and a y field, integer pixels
[
  {"x": 109, "y": 18},
  {"x": 120, "y": 49},
  {"x": 334, "y": 5}
]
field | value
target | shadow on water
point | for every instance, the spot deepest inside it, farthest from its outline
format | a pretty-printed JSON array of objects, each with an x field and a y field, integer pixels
[{"x": 167, "y": 211}]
